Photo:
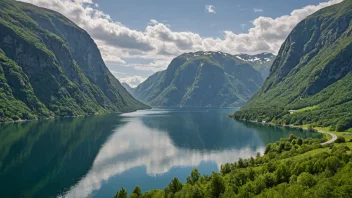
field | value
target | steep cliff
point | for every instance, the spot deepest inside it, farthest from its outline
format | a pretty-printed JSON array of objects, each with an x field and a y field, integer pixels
[
  {"x": 51, "y": 67},
  {"x": 312, "y": 74}
]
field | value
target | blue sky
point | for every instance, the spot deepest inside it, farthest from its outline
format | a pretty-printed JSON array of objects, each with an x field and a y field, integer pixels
[
  {"x": 138, "y": 38},
  {"x": 191, "y": 15}
]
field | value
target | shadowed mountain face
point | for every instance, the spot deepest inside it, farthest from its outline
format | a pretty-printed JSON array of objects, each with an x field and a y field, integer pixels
[
  {"x": 42, "y": 159},
  {"x": 312, "y": 73},
  {"x": 51, "y": 67},
  {"x": 201, "y": 79},
  {"x": 261, "y": 62}
]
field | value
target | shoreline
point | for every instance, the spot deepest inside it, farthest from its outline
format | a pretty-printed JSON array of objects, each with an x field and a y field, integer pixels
[
  {"x": 59, "y": 117},
  {"x": 330, "y": 133}
]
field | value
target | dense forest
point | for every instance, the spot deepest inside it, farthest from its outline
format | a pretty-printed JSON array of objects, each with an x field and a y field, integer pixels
[
  {"x": 291, "y": 167},
  {"x": 49, "y": 67},
  {"x": 310, "y": 81}
]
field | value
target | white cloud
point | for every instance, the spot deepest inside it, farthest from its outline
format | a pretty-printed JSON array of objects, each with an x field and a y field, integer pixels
[
  {"x": 258, "y": 10},
  {"x": 160, "y": 43},
  {"x": 210, "y": 8},
  {"x": 150, "y": 148},
  {"x": 153, "y": 22},
  {"x": 133, "y": 81}
]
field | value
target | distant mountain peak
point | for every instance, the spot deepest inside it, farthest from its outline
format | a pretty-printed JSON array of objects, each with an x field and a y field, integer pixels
[{"x": 201, "y": 79}]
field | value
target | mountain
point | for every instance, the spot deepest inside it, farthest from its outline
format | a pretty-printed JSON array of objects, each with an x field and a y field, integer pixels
[
  {"x": 128, "y": 88},
  {"x": 312, "y": 74},
  {"x": 51, "y": 67},
  {"x": 261, "y": 62},
  {"x": 201, "y": 79}
]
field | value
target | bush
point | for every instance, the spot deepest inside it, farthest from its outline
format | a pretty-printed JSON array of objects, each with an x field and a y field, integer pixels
[
  {"x": 340, "y": 139},
  {"x": 306, "y": 179}
]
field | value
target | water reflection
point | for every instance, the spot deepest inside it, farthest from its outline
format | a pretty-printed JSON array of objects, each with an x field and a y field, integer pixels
[
  {"x": 135, "y": 145},
  {"x": 95, "y": 156},
  {"x": 42, "y": 159}
]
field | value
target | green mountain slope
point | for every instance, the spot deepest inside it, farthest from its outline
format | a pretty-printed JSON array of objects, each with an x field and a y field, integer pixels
[
  {"x": 261, "y": 62},
  {"x": 51, "y": 67},
  {"x": 201, "y": 79},
  {"x": 312, "y": 74}
]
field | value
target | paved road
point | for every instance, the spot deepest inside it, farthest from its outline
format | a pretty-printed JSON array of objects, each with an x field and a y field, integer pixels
[{"x": 333, "y": 137}]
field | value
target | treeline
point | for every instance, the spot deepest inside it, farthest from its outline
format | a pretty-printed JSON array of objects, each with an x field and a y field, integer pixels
[
  {"x": 317, "y": 118},
  {"x": 291, "y": 167}
]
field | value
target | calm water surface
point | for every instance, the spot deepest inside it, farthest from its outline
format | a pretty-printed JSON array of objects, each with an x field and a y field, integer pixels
[{"x": 96, "y": 156}]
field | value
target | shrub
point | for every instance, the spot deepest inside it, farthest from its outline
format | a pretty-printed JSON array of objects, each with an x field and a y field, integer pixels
[{"x": 340, "y": 139}]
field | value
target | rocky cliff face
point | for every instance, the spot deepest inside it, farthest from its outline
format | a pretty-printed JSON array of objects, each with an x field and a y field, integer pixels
[
  {"x": 312, "y": 72},
  {"x": 201, "y": 79},
  {"x": 51, "y": 67}
]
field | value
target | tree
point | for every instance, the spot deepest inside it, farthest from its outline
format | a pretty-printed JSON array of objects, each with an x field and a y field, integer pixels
[
  {"x": 217, "y": 185},
  {"x": 121, "y": 194},
  {"x": 197, "y": 192},
  {"x": 195, "y": 175},
  {"x": 267, "y": 149},
  {"x": 269, "y": 180},
  {"x": 306, "y": 179},
  {"x": 299, "y": 141},
  {"x": 343, "y": 125},
  {"x": 292, "y": 137},
  {"x": 332, "y": 164},
  {"x": 136, "y": 193},
  {"x": 175, "y": 185},
  {"x": 282, "y": 173},
  {"x": 340, "y": 139}
]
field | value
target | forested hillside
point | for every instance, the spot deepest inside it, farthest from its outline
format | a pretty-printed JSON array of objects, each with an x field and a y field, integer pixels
[
  {"x": 290, "y": 168},
  {"x": 201, "y": 79},
  {"x": 50, "y": 67},
  {"x": 310, "y": 81}
]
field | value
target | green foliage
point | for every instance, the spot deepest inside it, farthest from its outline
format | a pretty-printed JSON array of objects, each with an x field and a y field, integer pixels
[
  {"x": 340, "y": 139},
  {"x": 310, "y": 83},
  {"x": 46, "y": 66},
  {"x": 201, "y": 79},
  {"x": 174, "y": 186},
  {"x": 195, "y": 175},
  {"x": 305, "y": 170},
  {"x": 306, "y": 179},
  {"x": 137, "y": 193},
  {"x": 121, "y": 194},
  {"x": 217, "y": 185}
]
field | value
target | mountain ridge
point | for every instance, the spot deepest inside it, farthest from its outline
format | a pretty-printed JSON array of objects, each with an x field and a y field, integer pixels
[
  {"x": 201, "y": 79},
  {"x": 50, "y": 67},
  {"x": 310, "y": 81},
  {"x": 261, "y": 62}
]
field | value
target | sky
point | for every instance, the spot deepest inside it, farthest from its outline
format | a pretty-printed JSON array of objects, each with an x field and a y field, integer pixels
[{"x": 140, "y": 37}]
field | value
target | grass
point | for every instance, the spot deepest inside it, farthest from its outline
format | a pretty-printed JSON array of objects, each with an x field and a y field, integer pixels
[{"x": 306, "y": 109}]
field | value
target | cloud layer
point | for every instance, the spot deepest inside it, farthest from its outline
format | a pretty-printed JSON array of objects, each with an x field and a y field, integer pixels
[{"x": 160, "y": 43}]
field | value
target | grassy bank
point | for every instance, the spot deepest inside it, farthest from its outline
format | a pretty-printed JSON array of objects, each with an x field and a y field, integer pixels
[{"x": 291, "y": 167}]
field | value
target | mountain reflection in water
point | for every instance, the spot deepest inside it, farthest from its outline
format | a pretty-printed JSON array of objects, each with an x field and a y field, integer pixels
[{"x": 95, "y": 156}]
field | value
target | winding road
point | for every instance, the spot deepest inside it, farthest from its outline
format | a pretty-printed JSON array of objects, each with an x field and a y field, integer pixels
[{"x": 333, "y": 137}]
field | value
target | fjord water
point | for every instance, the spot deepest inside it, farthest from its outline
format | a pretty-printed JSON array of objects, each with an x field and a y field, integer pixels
[{"x": 97, "y": 155}]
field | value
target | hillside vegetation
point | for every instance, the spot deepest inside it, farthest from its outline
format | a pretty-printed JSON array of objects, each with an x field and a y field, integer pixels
[
  {"x": 201, "y": 79},
  {"x": 311, "y": 76},
  {"x": 292, "y": 167},
  {"x": 50, "y": 67}
]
